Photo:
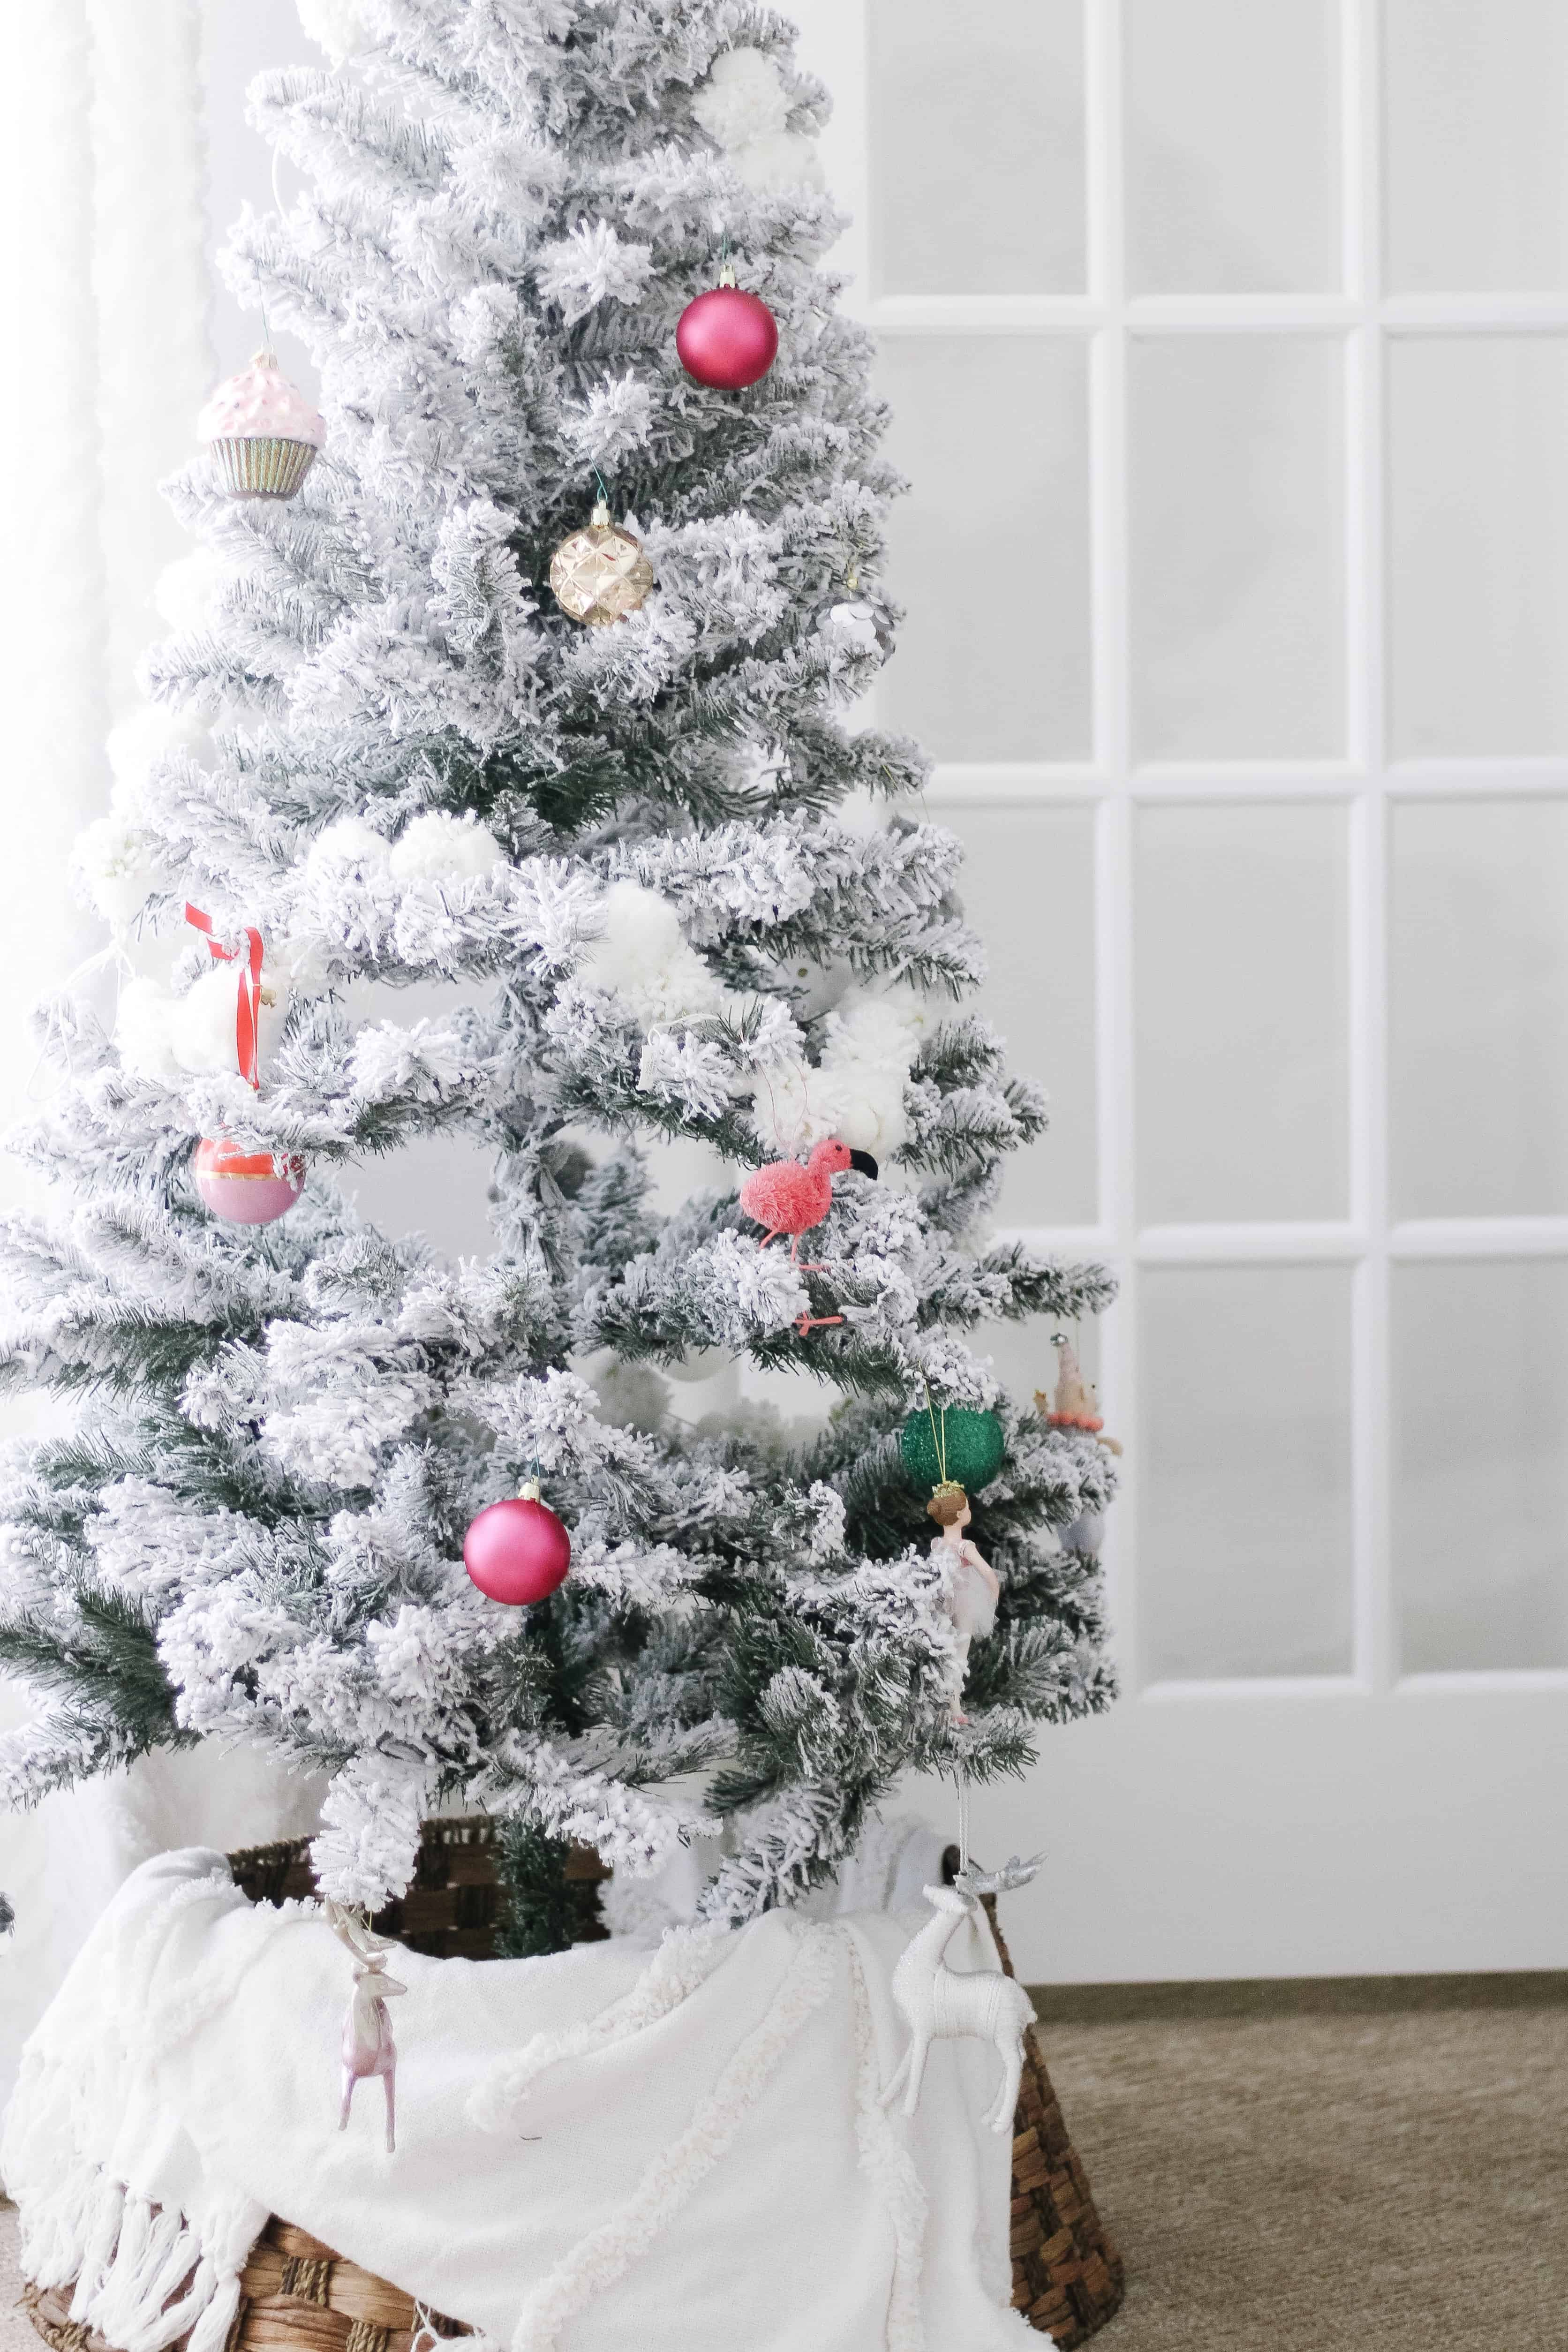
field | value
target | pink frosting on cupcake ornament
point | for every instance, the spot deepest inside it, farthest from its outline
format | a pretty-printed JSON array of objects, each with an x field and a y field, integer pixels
[{"x": 262, "y": 430}]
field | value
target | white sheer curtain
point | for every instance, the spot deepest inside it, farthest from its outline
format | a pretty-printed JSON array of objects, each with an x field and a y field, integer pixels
[{"x": 106, "y": 286}]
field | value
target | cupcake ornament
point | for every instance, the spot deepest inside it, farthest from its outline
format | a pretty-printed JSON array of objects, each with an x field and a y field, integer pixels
[{"x": 262, "y": 431}]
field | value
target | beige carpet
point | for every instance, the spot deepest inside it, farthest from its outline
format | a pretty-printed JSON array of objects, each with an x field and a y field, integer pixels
[
  {"x": 1307, "y": 2167},
  {"x": 14, "y": 2332}
]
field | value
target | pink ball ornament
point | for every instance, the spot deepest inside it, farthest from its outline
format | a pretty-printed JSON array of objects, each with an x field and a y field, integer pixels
[
  {"x": 517, "y": 1551},
  {"x": 727, "y": 338},
  {"x": 247, "y": 1188}
]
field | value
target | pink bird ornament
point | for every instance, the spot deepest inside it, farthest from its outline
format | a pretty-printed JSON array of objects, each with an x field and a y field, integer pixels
[{"x": 787, "y": 1198}]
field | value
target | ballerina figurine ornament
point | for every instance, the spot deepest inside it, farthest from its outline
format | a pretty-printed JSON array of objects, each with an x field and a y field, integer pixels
[{"x": 970, "y": 1583}]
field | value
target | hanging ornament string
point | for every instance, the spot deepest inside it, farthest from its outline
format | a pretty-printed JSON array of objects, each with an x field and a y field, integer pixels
[
  {"x": 939, "y": 1444},
  {"x": 247, "y": 1005},
  {"x": 268, "y": 345},
  {"x": 938, "y": 1437},
  {"x": 268, "y": 349}
]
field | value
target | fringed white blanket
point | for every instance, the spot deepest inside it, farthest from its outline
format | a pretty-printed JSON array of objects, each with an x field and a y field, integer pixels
[{"x": 677, "y": 2149}]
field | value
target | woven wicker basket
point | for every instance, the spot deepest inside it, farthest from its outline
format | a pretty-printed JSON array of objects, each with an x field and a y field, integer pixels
[{"x": 297, "y": 2296}]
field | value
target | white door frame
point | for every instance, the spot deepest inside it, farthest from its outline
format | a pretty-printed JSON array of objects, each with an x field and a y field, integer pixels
[{"x": 1353, "y": 1824}]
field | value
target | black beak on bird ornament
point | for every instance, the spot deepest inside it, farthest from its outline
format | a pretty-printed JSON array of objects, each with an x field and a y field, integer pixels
[{"x": 863, "y": 1161}]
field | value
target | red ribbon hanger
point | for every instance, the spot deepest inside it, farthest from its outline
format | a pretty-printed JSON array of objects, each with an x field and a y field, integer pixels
[{"x": 248, "y": 1007}]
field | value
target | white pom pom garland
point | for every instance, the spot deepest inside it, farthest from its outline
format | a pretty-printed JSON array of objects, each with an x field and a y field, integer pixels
[
  {"x": 336, "y": 25},
  {"x": 643, "y": 957},
  {"x": 742, "y": 99},
  {"x": 438, "y": 847},
  {"x": 745, "y": 107},
  {"x": 783, "y": 159}
]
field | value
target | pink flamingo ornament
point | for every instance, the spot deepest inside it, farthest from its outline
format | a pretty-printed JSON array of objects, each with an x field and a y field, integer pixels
[
  {"x": 368, "y": 2046},
  {"x": 789, "y": 1199}
]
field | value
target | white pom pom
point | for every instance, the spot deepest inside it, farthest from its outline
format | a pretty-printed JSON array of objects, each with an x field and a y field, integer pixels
[
  {"x": 115, "y": 864},
  {"x": 336, "y": 25},
  {"x": 186, "y": 592},
  {"x": 348, "y": 841},
  {"x": 149, "y": 735},
  {"x": 782, "y": 159},
  {"x": 438, "y": 847},
  {"x": 143, "y": 1028},
  {"x": 742, "y": 99},
  {"x": 871, "y": 1045},
  {"x": 643, "y": 957},
  {"x": 857, "y": 1090},
  {"x": 204, "y": 1027}
]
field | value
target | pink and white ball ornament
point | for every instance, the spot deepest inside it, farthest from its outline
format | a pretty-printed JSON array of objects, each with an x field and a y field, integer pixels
[
  {"x": 247, "y": 1188},
  {"x": 518, "y": 1550}
]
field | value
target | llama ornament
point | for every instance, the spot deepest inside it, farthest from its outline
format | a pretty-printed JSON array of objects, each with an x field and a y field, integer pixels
[
  {"x": 941, "y": 2004},
  {"x": 1075, "y": 1405}
]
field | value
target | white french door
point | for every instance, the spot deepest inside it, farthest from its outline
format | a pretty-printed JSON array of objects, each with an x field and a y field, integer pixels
[{"x": 1229, "y": 352}]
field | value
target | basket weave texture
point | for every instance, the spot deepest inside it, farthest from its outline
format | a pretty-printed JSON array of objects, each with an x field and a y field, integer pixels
[
  {"x": 1067, "y": 2277},
  {"x": 297, "y": 2296},
  {"x": 452, "y": 1903}
]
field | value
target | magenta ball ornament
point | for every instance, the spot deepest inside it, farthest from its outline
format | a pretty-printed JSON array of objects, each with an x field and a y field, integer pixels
[
  {"x": 518, "y": 1550},
  {"x": 727, "y": 338}
]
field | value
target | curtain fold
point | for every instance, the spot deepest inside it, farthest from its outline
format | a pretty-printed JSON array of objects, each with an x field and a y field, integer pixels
[{"x": 106, "y": 289}]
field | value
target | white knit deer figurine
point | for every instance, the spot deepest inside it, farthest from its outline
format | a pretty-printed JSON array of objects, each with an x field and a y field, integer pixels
[{"x": 938, "y": 2004}]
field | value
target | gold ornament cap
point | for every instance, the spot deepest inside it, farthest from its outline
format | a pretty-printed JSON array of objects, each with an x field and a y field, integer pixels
[{"x": 529, "y": 1491}]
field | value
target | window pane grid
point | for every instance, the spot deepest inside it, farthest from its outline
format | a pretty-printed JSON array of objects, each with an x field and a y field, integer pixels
[{"x": 1370, "y": 777}]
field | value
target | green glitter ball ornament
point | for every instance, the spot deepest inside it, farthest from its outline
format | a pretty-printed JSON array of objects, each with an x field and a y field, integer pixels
[{"x": 965, "y": 1446}]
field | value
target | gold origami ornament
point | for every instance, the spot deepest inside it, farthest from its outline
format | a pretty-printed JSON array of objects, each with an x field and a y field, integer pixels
[{"x": 600, "y": 575}]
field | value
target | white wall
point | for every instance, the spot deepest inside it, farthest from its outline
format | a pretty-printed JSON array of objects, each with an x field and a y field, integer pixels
[{"x": 1229, "y": 357}]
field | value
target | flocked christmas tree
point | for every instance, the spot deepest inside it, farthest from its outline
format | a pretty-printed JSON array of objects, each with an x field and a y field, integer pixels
[{"x": 672, "y": 889}]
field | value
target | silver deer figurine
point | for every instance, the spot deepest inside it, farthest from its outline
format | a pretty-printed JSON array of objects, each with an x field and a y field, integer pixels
[
  {"x": 938, "y": 2004},
  {"x": 368, "y": 2046}
]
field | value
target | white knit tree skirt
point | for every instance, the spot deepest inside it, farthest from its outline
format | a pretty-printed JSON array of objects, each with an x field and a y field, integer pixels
[{"x": 679, "y": 2148}]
